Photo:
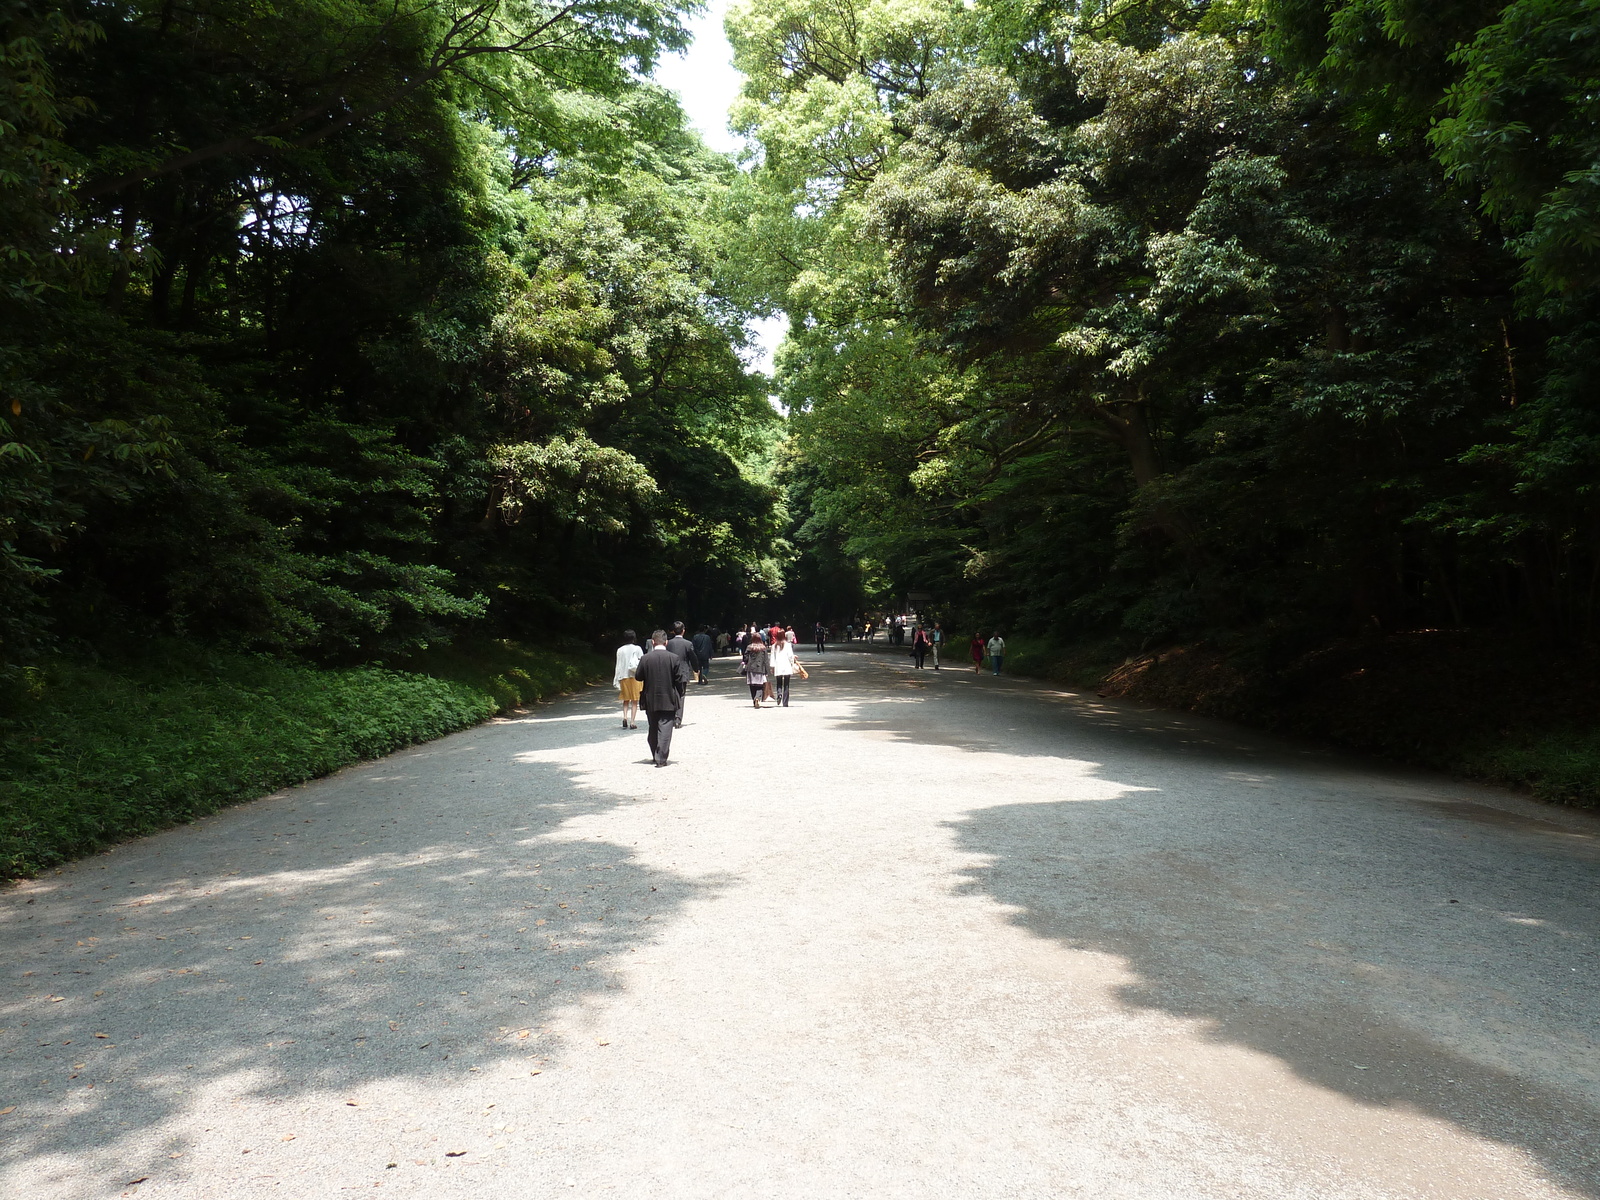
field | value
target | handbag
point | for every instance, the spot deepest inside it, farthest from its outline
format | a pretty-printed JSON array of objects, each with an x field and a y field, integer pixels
[
  {"x": 766, "y": 691},
  {"x": 801, "y": 671}
]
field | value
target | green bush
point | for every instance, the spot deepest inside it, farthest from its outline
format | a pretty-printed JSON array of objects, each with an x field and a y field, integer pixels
[
  {"x": 94, "y": 754},
  {"x": 1561, "y": 766}
]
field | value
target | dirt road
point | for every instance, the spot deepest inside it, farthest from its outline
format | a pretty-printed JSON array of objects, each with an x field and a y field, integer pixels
[{"x": 922, "y": 935}]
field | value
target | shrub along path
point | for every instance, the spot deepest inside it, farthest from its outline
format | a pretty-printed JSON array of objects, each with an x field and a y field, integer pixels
[{"x": 921, "y": 935}]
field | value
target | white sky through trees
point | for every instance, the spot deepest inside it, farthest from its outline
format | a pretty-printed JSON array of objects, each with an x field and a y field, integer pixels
[{"x": 707, "y": 84}]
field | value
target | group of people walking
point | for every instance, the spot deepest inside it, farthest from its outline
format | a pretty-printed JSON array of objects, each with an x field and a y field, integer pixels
[{"x": 657, "y": 680}]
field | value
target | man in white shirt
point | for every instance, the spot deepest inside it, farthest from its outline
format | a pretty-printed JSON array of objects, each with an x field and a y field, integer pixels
[{"x": 997, "y": 651}]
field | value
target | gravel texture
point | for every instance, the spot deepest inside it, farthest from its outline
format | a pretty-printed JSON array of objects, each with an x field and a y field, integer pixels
[{"x": 921, "y": 935}]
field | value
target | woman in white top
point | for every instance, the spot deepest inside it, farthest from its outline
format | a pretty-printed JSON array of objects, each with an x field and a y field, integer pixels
[
  {"x": 628, "y": 688},
  {"x": 783, "y": 666}
]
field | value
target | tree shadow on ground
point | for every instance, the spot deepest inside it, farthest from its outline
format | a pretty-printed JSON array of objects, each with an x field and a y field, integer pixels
[
  {"x": 1386, "y": 942},
  {"x": 420, "y": 917}
]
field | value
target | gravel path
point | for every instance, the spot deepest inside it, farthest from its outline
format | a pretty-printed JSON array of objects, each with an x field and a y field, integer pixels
[{"x": 931, "y": 935}]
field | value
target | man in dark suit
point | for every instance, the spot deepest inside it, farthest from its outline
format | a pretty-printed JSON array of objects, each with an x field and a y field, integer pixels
[
  {"x": 663, "y": 675},
  {"x": 684, "y": 649},
  {"x": 704, "y": 648}
]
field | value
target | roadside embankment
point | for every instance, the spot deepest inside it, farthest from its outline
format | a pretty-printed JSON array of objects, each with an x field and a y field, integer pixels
[
  {"x": 94, "y": 753},
  {"x": 1469, "y": 702}
]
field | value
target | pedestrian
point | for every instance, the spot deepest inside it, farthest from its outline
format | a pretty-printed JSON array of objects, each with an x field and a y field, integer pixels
[
  {"x": 704, "y": 648},
  {"x": 662, "y": 676},
  {"x": 997, "y": 651},
  {"x": 684, "y": 649},
  {"x": 628, "y": 656},
  {"x": 756, "y": 667},
  {"x": 822, "y": 637},
  {"x": 937, "y": 640},
  {"x": 784, "y": 668},
  {"x": 722, "y": 642},
  {"x": 919, "y": 646},
  {"x": 977, "y": 652}
]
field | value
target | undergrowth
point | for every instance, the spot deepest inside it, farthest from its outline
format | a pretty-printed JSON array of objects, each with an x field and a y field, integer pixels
[
  {"x": 94, "y": 753},
  {"x": 1470, "y": 703}
]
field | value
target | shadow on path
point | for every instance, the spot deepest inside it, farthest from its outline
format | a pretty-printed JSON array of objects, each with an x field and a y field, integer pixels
[
  {"x": 420, "y": 918},
  {"x": 1417, "y": 954}
]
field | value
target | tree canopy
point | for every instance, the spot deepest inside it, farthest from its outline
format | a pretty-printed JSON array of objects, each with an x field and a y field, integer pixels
[{"x": 337, "y": 328}]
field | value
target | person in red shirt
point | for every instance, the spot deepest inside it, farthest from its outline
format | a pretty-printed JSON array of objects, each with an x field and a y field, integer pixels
[{"x": 977, "y": 652}]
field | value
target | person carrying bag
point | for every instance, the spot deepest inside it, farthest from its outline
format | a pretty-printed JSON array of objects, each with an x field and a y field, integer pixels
[{"x": 756, "y": 665}]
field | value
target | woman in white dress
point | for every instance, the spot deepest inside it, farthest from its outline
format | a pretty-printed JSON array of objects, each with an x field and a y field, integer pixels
[
  {"x": 628, "y": 688},
  {"x": 783, "y": 667}
]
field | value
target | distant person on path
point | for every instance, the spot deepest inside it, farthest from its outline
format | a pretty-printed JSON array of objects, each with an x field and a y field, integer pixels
[
  {"x": 704, "y": 648},
  {"x": 628, "y": 656},
  {"x": 919, "y": 646},
  {"x": 977, "y": 652},
  {"x": 756, "y": 668},
  {"x": 997, "y": 652},
  {"x": 722, "y": 642},
  {"x": 781, "y": 659},
  {"x": 684, "y": 649},
  {"x": 936, "y": 639},
  {"x": 822, "y": 637},
  {"x": 662, "y": 676}
]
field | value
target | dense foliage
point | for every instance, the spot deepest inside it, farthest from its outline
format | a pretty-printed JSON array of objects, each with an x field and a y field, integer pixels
[
  {"x": 1268, "y": 322},
  {"x": 133, "y": 744},
  {"x": 338, "y": 327}
]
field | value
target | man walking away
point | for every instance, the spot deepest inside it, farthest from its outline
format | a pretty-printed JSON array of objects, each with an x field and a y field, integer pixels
[
  {"x": 684, "y": 649},
  {"x": 997, "y": 651},
  {"x": 662, "y": 676},
  {"x": 704, "y": 648},
  {"x": 937, "y": 637}
]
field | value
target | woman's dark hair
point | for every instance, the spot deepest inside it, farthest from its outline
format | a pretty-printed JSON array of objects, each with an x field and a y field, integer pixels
[{"x": 629, "y": 635}]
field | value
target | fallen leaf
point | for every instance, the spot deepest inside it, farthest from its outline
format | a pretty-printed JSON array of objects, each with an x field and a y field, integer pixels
[
  {"x": 57, "y": 999},
  {"x": 535, "y": 1072},
  {"x": 540, "y": 921},
  {"x": 391, "y": 1166},
  {"x": 8, "y": 1109},
  {"x": 258, "y": 962},
  {"x": 393, "y": 1025},
  {"x": 288, "y": 1137},
  {"x": 178, "y": 1154},
  {"x": 353, "y": 1103},
  {"x": 421, "y": 1162},
  {"x": 454, "y": 1153},
  {"x": 130, "y": 1182},
  {"x": 102, "y": 1035},
  {"x": 522, "y": 1033}
]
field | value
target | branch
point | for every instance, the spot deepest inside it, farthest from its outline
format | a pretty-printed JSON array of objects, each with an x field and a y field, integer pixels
[{"x": 445, "y": 58}]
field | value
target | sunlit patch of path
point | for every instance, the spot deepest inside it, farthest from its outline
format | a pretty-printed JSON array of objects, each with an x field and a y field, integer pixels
[{"x": 920, "y": 935}]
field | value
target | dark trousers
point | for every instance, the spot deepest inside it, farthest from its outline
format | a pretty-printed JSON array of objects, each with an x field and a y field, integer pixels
[
  {"x": 677, "y": 713},
  {"x": 919, "y": 653},
  {"x": 780, "y": 689},
  {"x": 659, "y": 721}
]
